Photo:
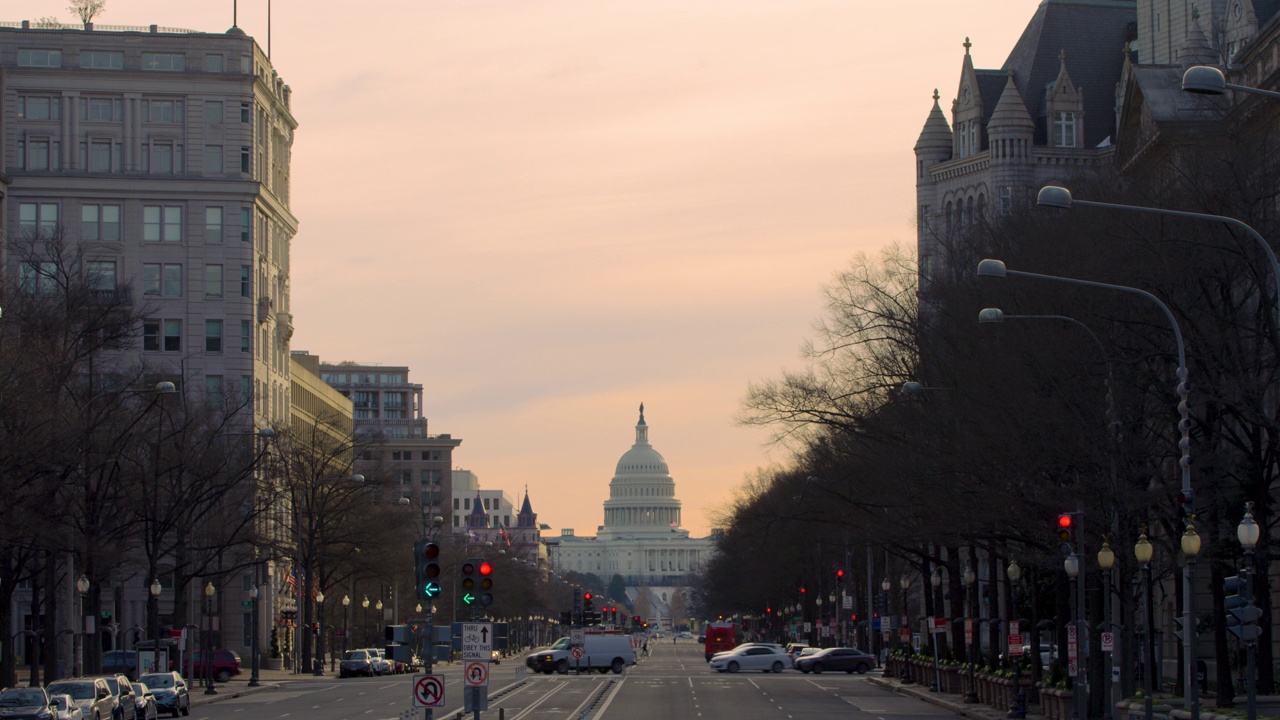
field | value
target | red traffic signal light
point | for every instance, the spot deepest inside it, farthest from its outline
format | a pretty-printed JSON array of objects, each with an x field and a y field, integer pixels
[
  {"x": 486, "y": 568},
  {"x": 801, "y": 589},
  {"x": 1064, "y": 520},
  {"x": 586, "y": 596},
  {"x": 840, "y": 575}
]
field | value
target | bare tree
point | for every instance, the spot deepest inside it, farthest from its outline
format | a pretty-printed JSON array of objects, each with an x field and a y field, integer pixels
[{"x": 87, "y": 10}]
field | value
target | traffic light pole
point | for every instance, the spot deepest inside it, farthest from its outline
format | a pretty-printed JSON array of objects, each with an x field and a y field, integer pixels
[{"x": 1251, "y": 645}]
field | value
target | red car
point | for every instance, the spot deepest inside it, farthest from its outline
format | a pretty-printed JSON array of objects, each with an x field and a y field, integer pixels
[{"x": 226, "y": 665}]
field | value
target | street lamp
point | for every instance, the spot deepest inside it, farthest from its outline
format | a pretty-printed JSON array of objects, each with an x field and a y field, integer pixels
[
  {"x": 253, "y": 644},
  {"x": 885, "y": 625},
  {"x": 1014, "y": 574},
  {"x": 1142, "y": 552},
  {"x": 208, "y": 641},
  {"x": 155, "y": 589},
  {"x": 904, "y": 583},
  {"x": 82, "y": 586},
  {"x": 1248, "y": 532},
  {"x": 346, "y": 625},
  {"x": 319, "y": 633},
  {"x": 1107, "y": 561},
  {"x": 1061, "y": 197},
  {"x": 1209, "y": 80},
  {"x": 365, "y": 619},
  {"x": 1072, "y": 565}
]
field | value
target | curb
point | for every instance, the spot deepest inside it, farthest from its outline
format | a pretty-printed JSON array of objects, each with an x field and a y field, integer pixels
[{"x": 977, "y": 712}]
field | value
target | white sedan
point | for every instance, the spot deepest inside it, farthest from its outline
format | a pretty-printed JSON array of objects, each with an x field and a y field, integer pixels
[{"x": 752, "y": 657}]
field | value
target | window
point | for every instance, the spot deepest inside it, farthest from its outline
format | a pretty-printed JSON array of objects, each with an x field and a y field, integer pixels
[
  {"x": 39, "y": 58},
  {"x": 101, "y": 60},
  {"x": 38, "y": 277},
  {"x": 101, "y": 156},
  {"x": 246, "y": 336},
  {"x": 213, "y": 160},
  {"x": 964, "y": 140},
  {"x": 39, "y": 107},
  {"x": 161, "y": 223},
  {"x": 246, "y": 281},
  {"x": 246, "y": 388},
  {"x": 213, "y": 336},
  {"x": 1064, "y": 129},
  {"x": 151, "y": 335},
  {"x": 172, "y": 336},
  {"x": 246, "y": 224},
  {"x": 213, "y": 112},
  {"x": 214, "y": 63},
  {"x": 164, "y": 62},
  {"x": 1006, "y": 200},
  {"x": 100, "y": 275},
  {"x": 101, "y": 109},
  {"x": 165, "y": 158},
  {"x": 162, "y": 111},
  {"x": 244, "y": 112},
  {"x": 213, "y": 388},
  {"x": 244, "y": 159},
  {"x": 37, "y": 219},
  {"x": 100, "y": 222},
  {"x": 213, "y": 225},
  {"x": 213, "y": 281},
  {"x": 40, "y": 154},
  {"x": 162, "y": 279}
]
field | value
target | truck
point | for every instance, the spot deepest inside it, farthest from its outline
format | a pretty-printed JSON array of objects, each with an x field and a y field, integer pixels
[
  {"x": 599, "y": 652},
  {"x": 720, "y": 637}
]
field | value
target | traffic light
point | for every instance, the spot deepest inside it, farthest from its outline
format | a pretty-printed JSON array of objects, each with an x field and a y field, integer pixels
[
  {"x": 470, "y": 573},
  {"x": 426, "y": 571},
  {"x": 1242, "y": 616},
  {"x": 486, "y": 583},
  {"x": 315, "y": 628},
  {"x": 1066, "y": 534},
  {"x": 587, "y": 605},
  {"x": 566, "y": 618},
  {"x": 839, "y": 576}
]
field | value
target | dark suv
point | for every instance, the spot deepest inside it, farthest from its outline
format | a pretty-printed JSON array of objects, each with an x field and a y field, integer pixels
[{"x": 225, "y": 665}]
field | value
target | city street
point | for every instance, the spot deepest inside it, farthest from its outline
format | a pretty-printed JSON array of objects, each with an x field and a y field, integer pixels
[{"x": 674, "y": 682}]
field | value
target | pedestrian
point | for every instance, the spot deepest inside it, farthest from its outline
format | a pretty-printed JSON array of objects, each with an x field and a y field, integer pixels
[
  {"x": 673, "y": 639},
  {"x": 644, "y": 648}
]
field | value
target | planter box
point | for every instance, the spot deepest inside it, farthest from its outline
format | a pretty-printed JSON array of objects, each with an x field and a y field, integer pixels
[{"x": 275, "y": 663}]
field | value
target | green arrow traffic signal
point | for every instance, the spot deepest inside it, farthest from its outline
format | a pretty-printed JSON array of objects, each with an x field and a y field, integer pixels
[
  {"x": 431, "y": 589},
  {"x": 468, "y": 598}
]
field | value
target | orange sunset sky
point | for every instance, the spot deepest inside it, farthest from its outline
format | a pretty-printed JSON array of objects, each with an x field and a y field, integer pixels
[{"x": 554, "y": 210}]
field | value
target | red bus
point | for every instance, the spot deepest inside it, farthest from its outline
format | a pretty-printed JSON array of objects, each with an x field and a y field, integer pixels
[{"x": 720, "y": 637}]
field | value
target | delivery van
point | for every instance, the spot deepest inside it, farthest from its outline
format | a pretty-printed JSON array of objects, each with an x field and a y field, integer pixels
[{"x": 598, "y": 652}]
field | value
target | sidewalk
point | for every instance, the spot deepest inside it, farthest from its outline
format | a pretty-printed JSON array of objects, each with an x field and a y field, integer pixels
[{"x": 948, "y": 701}]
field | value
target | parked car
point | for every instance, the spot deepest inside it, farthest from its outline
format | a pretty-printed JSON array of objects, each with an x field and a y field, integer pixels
[
  {"x": 127, "y": 701},
  {"x": 124, "y": 662},
  {"x": 381, "y": 665},
  {"x": 225, "y": 665},
  {"x": 64, "y": 708},
  {"x": 25, "y": 704},
  {"x": 850, "y": 660},
  {"x": 93, "y": 695},
  {"x": 751, "y": 657},
  {"x": 171, "y": 692},
  {"x": 356, "y": 662},
  {"x": 147, "y": 707}
]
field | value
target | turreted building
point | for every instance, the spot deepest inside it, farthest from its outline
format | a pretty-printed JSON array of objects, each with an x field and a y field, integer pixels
[{"x": 1050, "y": 111}]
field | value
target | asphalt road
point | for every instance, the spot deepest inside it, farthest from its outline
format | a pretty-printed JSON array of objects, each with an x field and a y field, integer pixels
[{"x": 674, "y": 683}]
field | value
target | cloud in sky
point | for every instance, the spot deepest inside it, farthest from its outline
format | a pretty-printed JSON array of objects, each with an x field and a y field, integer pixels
[{"x": 552, "y": 210}]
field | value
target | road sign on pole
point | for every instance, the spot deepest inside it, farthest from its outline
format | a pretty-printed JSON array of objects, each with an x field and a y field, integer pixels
[
  {"x": 476, "y": 674},
  {"x": 477, "y": 641},
  {"x": 428, "y": 691}
]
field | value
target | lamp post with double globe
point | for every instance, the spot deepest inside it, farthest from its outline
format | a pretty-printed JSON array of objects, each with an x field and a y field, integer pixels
[
  {"x": 155, "y": 590},
  {"x": 1142, "y": 551},
  {"x": 1014, "y": 574},
  {"x": 208, "y": 639}
]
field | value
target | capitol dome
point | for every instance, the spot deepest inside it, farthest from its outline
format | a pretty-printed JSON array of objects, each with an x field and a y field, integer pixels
[{"x": 642, "y": 496}]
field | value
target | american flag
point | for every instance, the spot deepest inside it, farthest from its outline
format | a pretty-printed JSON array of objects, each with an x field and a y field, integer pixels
[{"x": 292, "y": 580}]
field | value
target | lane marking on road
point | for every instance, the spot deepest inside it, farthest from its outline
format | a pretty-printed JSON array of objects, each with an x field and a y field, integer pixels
[
  {"x": 555, "y": 688},
  {"x": 609, "y": 699}
]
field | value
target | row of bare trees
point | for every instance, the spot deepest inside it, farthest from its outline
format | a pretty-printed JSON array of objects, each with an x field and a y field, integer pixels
[{"x": 1032, "y": 417}]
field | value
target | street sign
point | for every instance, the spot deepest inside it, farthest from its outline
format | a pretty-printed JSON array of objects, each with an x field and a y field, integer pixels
[
  {"x": 246, "y": 604},
  {"x": 1108, "y": 642},
  {"x": 1015, "y": 628},
  {"x": 476, "y": 674},
  {"x": 1015, "y": 646},
  {"x": 577, "y": 636},
  {"x": 848, "y": 603},
  {"x": 428, "y": 691},
  {"x": 968, "y": 631},
  {"x": 576, "y": 652},
  {"x": 477, "y": 642},
  {"x": 939, "y": 625}
]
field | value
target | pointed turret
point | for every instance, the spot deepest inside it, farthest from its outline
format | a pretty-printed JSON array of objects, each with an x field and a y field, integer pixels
[
  {"x": 1196, "y": 49},
  {"x": 935, "y": 136},
  {"x": 478, "y": 517},
  {"x": 1064, "y": 109},
  {"x": 1011, "y": 115},
  {"x": 527, "y": 517}
]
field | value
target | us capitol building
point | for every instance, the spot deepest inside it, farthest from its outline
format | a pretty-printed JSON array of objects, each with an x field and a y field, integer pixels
[{"x": 641, "y": 538}]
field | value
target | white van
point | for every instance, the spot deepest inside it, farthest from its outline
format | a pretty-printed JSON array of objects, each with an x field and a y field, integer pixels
[{"x": 599, "y": 652}]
